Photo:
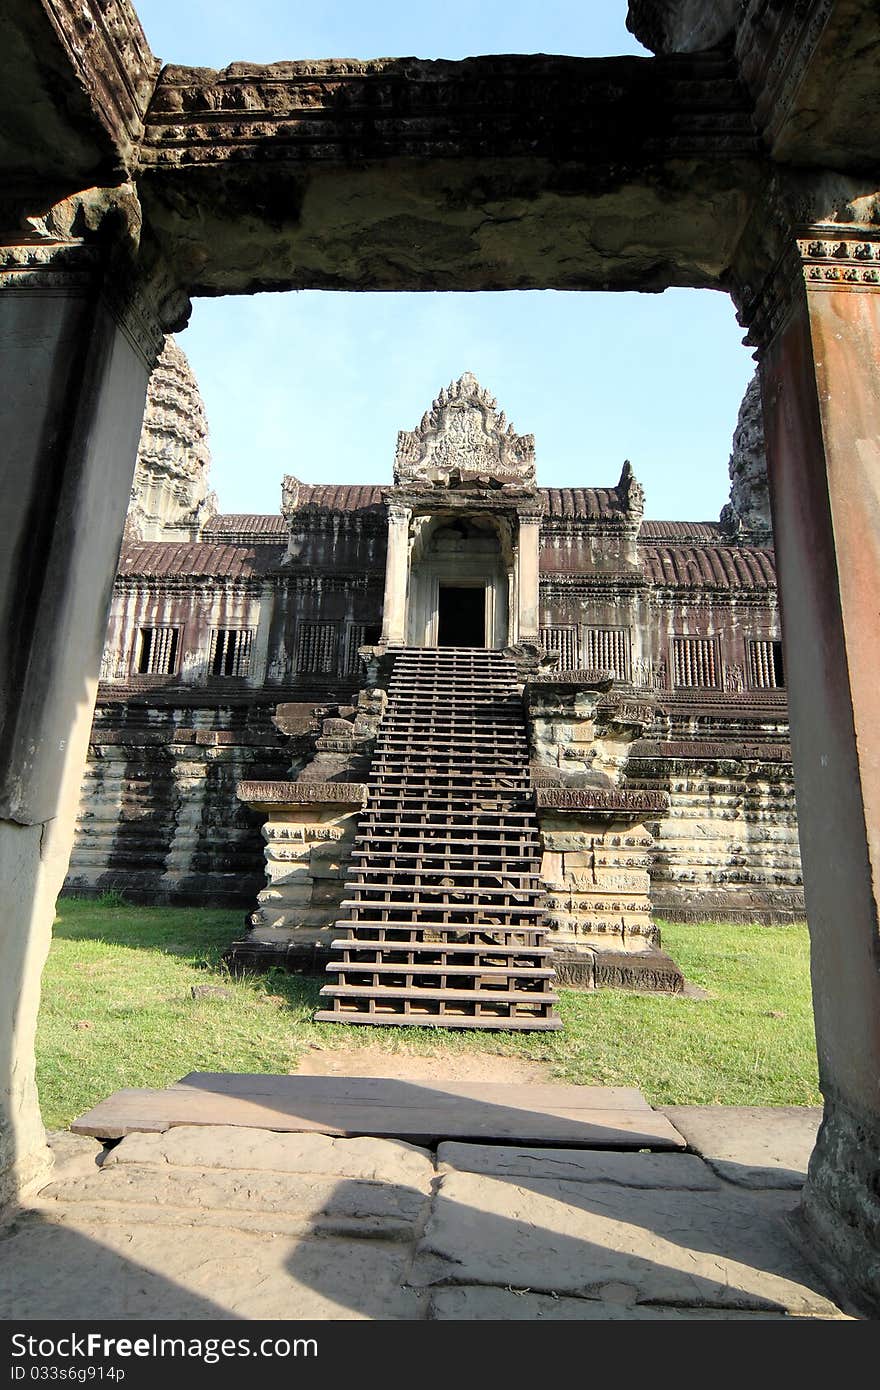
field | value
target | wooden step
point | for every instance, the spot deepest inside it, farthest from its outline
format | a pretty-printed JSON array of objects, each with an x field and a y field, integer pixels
[
  {"x": 454, "y": 948},
  {"x": 449, "y": 786}
]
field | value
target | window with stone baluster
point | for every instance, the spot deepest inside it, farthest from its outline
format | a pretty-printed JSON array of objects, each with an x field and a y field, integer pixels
[
  {"x": 766, "y": 671},
  {"x": 695, "y": 663},
  {"x": 158, "y": 651},
  {"x": 608, "y": 649},
  {"x": 230, "y": 653},
  {"x": 317, "y": 648}
]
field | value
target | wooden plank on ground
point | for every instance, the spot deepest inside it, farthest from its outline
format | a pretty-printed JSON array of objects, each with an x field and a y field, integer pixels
[{"x": 421, "y": 1113}]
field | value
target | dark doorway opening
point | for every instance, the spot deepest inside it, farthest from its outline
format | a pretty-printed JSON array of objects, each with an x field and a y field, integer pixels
[{"x": 461, "y": 616}]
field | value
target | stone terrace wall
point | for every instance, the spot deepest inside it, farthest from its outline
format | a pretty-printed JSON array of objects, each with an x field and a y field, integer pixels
[
  {"x": 159, "y": 819},
  {"x": 728, "y": 849}
]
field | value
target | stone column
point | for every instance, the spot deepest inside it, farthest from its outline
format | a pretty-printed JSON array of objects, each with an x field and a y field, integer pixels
[
  {"x": 818, "y": 326},
  {"x": 396, "y": 574},
  {"x": 528, "y": 561},
  {"x": 74, "y": 367}
]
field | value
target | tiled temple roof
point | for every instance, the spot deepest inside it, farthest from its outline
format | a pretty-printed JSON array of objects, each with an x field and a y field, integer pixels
[
  {"x": 576, "y": 503},
  {"x": 341, "y": 497},
  {"x": 582, "y": 503},
  {"x": 197, "y": 559},
  {"x": 709, "y": 566},
  {"x": 261, "y": 526},
  {"x": 682, "y": 531}
]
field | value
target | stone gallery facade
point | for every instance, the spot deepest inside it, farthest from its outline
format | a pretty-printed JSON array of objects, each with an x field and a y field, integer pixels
[{"x": 238, "y": 645}]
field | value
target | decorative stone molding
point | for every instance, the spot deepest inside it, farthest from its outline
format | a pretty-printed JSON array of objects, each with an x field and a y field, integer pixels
[
  {"x": 463, "y": 440},
  {"x": 631, "y": 493},
  {"x": 774, "y": 45},
  {"x": 107, "y": 48},
  {"x": 50, "y": 265},
  {"x": 818, "y": 258},
  {"x": 836, "y": 261},
  {"x": 619, "y": 804},
  {"x": 582, "y": 678},
  {"x": 302, "y": 793},
  {"x": 734, "y": 751},
  {"x": 94, "y": 242},
  {"x": 290, "y": 495}
]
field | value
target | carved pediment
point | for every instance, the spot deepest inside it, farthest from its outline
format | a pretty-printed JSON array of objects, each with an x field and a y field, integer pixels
[{"x": 463, "y": 440}]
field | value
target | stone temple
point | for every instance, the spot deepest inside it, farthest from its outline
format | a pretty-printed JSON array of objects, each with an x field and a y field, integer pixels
[{"x": 247, "y": 652}]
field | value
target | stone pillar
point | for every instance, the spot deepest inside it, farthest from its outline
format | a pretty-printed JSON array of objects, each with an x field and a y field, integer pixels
[
  {"x": 818, "y": 326},
  {"x": 396, "y": 574},
  {"x": 528, "y": 566},
  {"x": 74, "y": 367}
]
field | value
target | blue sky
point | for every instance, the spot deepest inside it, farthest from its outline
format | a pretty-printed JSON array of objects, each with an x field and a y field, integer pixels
[{"x": 318, "y": 384}]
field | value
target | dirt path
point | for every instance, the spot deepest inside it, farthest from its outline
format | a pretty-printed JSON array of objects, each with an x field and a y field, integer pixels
[{"x": 401, "y": 1066}]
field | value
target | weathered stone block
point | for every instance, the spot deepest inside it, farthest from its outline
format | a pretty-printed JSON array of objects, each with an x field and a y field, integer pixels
[{"x": 648, "y": 971}]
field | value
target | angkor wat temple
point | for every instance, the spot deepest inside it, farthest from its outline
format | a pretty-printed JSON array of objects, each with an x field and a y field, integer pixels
[{"x": 238, "y": 645}]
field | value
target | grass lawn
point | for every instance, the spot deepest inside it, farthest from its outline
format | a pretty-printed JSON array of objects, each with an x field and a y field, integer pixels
[{"x": 117, "y": 1011}]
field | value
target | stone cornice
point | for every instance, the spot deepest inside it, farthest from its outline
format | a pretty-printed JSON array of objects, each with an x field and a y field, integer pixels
[
  {"x": 708, "y": 596},
  {"x": 580, "y": 678},
  {"x": 336, "y": 580},
  {"x": 586, "y": 583},
  {"x": 595, "y": 799},
  {"x": 302, "y": 793},
  {"x": 344, "y": 110},
  {"x": 697, "y": 751},
  {"x": 51, "y": 264},
  {"x": 310, "y": 517},
  {"x": 820, "y": 257},
  {"x": 93, "y": 243}
]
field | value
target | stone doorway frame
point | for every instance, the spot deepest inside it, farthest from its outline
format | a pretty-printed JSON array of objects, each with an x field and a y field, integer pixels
[
  {"x": 429, "y": 572},
  {"x": 740, "y": 172}
]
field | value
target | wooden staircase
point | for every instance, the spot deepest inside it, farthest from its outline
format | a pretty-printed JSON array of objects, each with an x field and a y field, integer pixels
[{"x": 444, "y": 898}]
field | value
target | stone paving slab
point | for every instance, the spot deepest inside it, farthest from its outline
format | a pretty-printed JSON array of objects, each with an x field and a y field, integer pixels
[
  {"x": 578, "y": 1165},
  {"x": 292, "y": 1194},
  {"x": 109, "y": 1214},
  {"x": 724, "y": 1249},
  {"x": 73, "y": 1269},
  {"x": 261, "y": 1151},
  {"x": 73, "y": 1151},
  {"x": 478, "y": 1303},
  {"x": 753, "y": 1146},
  {"x": 587, "y": 1116}
]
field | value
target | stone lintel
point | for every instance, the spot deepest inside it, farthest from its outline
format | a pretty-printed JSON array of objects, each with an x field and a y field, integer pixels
[
  {"x": 507, "y": 501},
  {"x": 635, "y": 804},
  {"x": 302, "y": 793},
  {"x": 223, "y": 150}
]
